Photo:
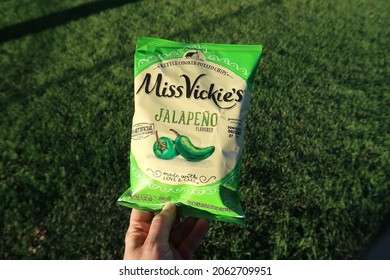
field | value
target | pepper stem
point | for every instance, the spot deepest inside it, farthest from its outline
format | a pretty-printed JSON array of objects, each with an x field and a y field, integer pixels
[
  {"x": 174, "y": 131},
  {"x": 161, "y": 145}
]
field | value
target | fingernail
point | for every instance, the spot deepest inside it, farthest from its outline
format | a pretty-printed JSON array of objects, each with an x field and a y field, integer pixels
[{"x": 168, "y": 206}]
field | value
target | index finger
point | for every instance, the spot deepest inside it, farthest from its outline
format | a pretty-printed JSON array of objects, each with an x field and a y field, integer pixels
[
  {"x": 162, "y": 223},
  {"x": 140, "y": 216},
  {"x": 138, "y": 228}
]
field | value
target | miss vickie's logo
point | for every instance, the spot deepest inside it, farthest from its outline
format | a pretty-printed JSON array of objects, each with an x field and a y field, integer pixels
[{"x": 191, "y": 89}]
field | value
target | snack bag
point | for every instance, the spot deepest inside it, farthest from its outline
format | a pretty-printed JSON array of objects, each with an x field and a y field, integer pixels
[{"x": 191, "y": 101}]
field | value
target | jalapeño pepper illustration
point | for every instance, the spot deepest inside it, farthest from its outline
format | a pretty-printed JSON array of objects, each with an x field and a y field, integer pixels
[
  {"x": 164, "y": 148},
  {"x": 190, "y": 152}
]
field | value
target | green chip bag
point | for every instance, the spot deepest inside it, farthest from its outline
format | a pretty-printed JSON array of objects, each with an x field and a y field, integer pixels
[{"x": 191, "y": 102}]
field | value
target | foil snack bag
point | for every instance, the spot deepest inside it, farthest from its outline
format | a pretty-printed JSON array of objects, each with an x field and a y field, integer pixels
[{"x": 190, "y": 105}]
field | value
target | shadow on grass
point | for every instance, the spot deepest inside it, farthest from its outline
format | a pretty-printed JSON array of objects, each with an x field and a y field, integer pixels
[
  {"x": 73, "y": 74},
  {"x": 33, "y": 26},
  {"x": 380, "y": 248}
]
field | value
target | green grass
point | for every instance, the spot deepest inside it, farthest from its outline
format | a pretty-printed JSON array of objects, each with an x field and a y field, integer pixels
[{"x": 315, "y": 182}]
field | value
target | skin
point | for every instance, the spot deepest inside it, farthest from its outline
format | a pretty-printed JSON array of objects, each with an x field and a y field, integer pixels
[{"x": 152, "y": 237}]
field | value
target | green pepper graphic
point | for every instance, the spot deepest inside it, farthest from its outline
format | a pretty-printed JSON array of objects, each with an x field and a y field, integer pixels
[
  {"x": 164, "y": 148},
  {"x": 190, "y": 152}
]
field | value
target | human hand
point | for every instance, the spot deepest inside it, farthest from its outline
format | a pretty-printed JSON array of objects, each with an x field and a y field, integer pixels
[{"x": 155, "y": 238}]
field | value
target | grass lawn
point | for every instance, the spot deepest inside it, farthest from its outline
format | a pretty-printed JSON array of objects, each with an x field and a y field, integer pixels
[{"x": 316, "y": 174}]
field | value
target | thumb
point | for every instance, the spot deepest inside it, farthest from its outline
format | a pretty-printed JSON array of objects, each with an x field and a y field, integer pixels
[{"x": 162, "y": 223}]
